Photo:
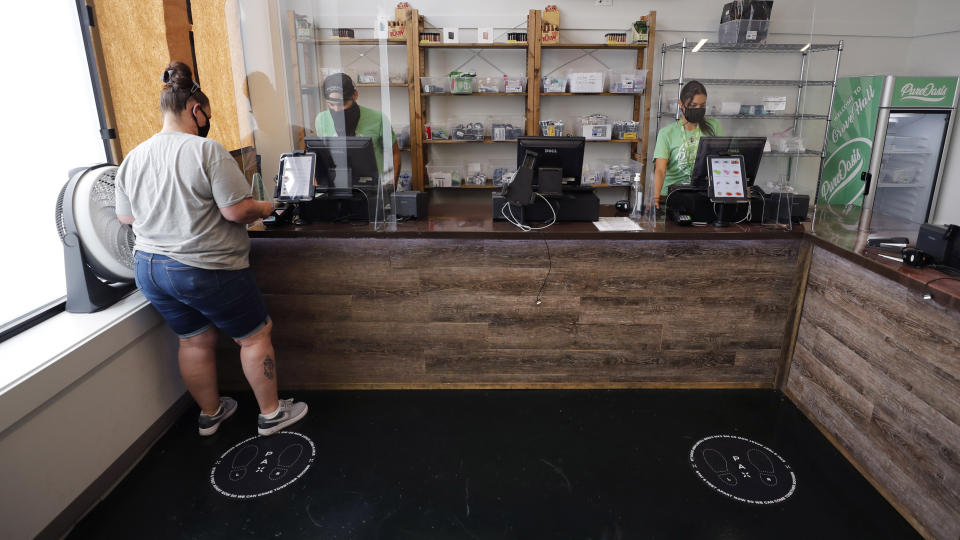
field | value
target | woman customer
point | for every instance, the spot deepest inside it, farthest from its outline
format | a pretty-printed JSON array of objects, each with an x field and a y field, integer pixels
[{"x": 189, "y": 203}]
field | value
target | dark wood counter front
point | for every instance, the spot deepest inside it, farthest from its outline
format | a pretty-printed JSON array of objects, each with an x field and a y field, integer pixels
[{"x": 431, "y": 312}]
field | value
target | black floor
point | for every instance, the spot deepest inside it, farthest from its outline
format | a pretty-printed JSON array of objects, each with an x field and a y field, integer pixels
[{"x": 502, "y": 464}]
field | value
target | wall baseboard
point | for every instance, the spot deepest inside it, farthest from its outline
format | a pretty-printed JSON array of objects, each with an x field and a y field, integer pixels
[{"x": 117, "y": 471}]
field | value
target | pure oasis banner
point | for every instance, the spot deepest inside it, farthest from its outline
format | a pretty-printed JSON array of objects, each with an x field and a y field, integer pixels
[
  {"x": 924, "y": 91},
  {"x": 856, "y": 104}
]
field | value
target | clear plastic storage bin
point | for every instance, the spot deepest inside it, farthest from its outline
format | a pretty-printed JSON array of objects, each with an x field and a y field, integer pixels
[
  {"x": 628, "y": 81},
  {"x": 507, "y": 128},
  {"x": 489, "y": 85},
  {"x": 621, "y": 173},
  {"x": 368, "y": 77},
  {"x": 477, "y": 174},
  {"x": 626, "y": 130},
  {"x": 592, "y": 174},
  {"x": 462, "y": 85},
  {"x": 468, "y": 128},
  {"x": 554, "y": 84},
  {"x": 436, "y": 131},
  {"x": 445, "y": 174},
  {"x": 585, "y": 82},
  {"x": 514, "y": 85},
  {"x": 595, "y": 127},
  {"x": 553, "y": 128},
  {"x": 501, "y": 169},
  {"x": 434, "y": 85}
]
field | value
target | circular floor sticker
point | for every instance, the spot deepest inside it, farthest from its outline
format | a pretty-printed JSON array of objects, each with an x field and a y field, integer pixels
[
  {"x": 742, "y": 469},
  {"x": 259, "y": 466}
]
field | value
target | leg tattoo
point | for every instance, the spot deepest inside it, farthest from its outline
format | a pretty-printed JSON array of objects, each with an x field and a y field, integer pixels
[{"x": 268, "y": 368}]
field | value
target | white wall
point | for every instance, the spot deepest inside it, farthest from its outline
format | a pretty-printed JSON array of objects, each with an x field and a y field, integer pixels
[
  {"x": 880, "y": 36},
  {"x": 61, "y": 430},
  {"x": 936, "y": 55}
]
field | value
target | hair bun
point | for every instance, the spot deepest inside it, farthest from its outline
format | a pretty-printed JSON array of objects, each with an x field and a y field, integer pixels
[{"x": 178, "y": 75}]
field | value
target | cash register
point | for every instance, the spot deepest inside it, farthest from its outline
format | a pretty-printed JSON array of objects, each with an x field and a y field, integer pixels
[{"x": 699, "y": 202}]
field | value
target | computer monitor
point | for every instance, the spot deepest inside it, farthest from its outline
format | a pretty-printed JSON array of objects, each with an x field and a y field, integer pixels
[
  {"x": 564, "y": 153},
  {"x": 344, "y": 163},
  {"x": 751, "y": 148}
]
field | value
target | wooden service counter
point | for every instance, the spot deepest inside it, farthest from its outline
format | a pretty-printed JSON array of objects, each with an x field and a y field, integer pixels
[
  {"x": 451, "y": 302},
  {"x": 876, "y": 366}
]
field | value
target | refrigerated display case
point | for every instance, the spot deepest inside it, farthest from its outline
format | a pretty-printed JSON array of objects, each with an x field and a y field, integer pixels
[{"x": 886, "y": 146}]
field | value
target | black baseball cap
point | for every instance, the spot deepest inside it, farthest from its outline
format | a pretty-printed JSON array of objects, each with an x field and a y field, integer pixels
[{"x": 338, "y": 83}]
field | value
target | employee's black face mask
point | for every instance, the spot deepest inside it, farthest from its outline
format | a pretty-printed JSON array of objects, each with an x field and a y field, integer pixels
[
  {"x": 694, "y": 115},
  {"x": 204, "y": 129},
  {"x": 345, "y": 121}
]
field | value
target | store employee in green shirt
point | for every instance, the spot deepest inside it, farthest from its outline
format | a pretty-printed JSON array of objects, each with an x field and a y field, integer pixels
[
  {"x": 677, "y": 143},
  {"x": 344, "y": 117}
]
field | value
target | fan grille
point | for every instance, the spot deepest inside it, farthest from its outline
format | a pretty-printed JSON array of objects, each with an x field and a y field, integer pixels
[
  {"x": 103, "y": 195},
  {"x": 116, "y": 238}
]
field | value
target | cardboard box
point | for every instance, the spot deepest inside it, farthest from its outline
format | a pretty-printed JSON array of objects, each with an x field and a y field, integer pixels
[
  {"x": 403, "y": 9},
  {"x": 397, "y": 30},
  {"x": 550, "y": 32}
]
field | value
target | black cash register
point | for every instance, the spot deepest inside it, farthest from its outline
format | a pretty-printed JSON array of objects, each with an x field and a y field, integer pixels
[
  {"x": 697, "y": 202},
  {"x": 346, "y": 181}
]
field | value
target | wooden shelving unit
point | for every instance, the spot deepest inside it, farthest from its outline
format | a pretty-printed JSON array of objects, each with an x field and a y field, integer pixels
[{"x": 417, "y": 66}]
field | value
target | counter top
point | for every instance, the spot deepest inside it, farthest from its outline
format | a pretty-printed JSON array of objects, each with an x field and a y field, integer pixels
[
  {"x": 835, "y": 230},
  {"x": 473, "y": 221}
]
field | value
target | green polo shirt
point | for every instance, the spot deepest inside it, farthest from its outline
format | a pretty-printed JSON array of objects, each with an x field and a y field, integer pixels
[
  {"x": 372, "y": 124},
  {"x": 679, "y": 147}
]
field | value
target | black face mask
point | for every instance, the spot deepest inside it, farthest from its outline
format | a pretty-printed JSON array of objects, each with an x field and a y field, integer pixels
[
  {"x": 202, "y": 130},
  {"x": 694, "y": 115},
  {"x": 345, "y": 121}
]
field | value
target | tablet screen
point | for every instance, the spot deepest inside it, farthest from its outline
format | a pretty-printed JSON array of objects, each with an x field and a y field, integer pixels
[
  {"x": 296, "y": 177},
  {"x": 727, "y": 178}
]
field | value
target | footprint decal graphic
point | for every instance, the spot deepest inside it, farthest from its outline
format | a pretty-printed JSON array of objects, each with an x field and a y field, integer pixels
[
  {"x": 287, "y": 458},
  {"x": 718, "y": 464},
  {"x": 238, "y": 469},
  {"x": 762, "y": 462}
]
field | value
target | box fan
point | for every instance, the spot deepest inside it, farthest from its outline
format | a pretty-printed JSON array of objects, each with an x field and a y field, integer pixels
[{"x": 97, "y": 248}]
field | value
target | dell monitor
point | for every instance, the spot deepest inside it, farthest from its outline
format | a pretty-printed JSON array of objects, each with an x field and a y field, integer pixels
[
  {"x": 344, "y": 164},
  {"x": 751, "y": 148},
  {"x": 564, "y": 153}
]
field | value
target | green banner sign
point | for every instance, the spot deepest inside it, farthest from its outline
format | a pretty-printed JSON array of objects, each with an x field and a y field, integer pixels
[
  {"x": 856, "y": 104},
  {"x": 924, "y": 91}
]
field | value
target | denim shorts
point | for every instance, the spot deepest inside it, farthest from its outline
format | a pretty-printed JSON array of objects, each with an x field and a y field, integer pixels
[{"x": 193, "y": 299}]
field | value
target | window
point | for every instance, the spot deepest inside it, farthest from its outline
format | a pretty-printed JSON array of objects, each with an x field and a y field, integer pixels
[{"x": 51, "y": 125}]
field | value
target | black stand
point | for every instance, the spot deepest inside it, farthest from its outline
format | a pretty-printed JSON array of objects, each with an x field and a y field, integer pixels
[{"x": 720, "y": 222}]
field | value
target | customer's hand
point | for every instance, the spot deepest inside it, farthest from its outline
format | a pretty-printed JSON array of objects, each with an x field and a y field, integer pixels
[{"x": 267, "y": 208}]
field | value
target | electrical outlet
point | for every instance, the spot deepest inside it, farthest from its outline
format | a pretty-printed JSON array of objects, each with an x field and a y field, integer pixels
[{"x": 603, "y": 3}]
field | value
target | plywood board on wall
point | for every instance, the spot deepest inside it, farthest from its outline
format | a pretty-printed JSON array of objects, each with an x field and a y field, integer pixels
[
  {"x": 135, "y": 52},
  {"x": 211, "y": 40}
]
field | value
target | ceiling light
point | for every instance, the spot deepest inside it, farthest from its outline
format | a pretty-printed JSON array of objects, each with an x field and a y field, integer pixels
[{"x": 699, "y": 44}]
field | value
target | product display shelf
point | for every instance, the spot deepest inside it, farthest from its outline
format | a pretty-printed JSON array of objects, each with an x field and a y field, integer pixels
[
  {"x": 796, "y": 48},
  {"x": 486, "y": 140},
  {"x": 491, "y": 186},
  {"x": 304, "y": 69},
  {"x": 490, "y": 94},
  {"x": 592, "y": 94},
  {"x": 637, "y": 149},
  {"x": 349, "y": 41},
  {"x": 804, "y": 153},
  {"x": 753, "y": 82},
  {"x": 499, "y": 45},
  {"x": 803, "y": 50},
  {"x": 625, "y": 46}
]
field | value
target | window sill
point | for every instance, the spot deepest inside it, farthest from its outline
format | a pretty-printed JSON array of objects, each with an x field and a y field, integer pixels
[{"x": 44, "y": 360}]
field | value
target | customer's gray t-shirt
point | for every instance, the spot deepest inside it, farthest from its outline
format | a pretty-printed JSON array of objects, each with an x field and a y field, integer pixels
[{"x": 174, "y": 185}]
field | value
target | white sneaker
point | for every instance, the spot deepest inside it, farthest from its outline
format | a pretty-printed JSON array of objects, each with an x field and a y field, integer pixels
[{"x": 290, "y": 413}]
